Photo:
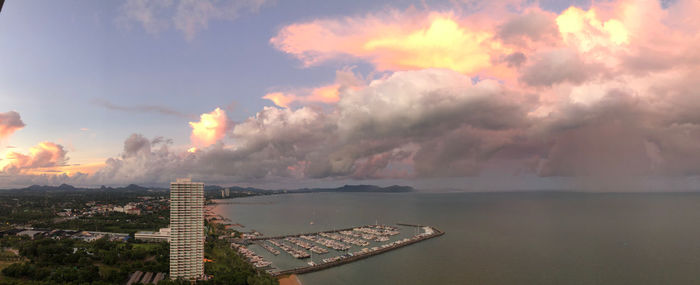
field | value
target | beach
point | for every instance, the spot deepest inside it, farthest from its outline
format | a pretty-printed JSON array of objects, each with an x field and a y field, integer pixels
[{"x": 289, "y": 280}]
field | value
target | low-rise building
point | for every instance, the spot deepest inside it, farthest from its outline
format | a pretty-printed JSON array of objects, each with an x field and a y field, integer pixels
[
  {"x": 132, "y": 209},
  {"x": 159, "y": 236},
  {"x": 30, "y": 233}
]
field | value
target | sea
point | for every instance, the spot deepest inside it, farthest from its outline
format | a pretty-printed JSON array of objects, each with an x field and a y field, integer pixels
[{"x": 499, "y": 238}]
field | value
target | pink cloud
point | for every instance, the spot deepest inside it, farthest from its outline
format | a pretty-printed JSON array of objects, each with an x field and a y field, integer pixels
[
  {"x": 211, "y": 128},
  {"x": 633, "y": 57},
  {"x": 9, "y": 123},
  {"x": 327, "y": 94},
  {"x": 324, "y": 94},
  {"x": 45, "y": 154},
  {"x": 394, "y": 41},
  {"x": 605, "y": 91}
]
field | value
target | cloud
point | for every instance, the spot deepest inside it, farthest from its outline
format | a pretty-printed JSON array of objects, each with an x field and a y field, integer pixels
[
  {"x": 341, "y": 142},
  {"x": 596, "y": 94},
  {"x": 515, "y": 59},
  {"x": 425, "y": 100},
  {"x": 211, "y": 128},
  {"x": 142, "y": 161},
  {"x": 371, "y": 128},
  {"x": 281, "y": 99},
  {"x": 140, "y": 108},
  {"x": 585, "y": 30},
  {"x": 187, "y": 16},
  {"x": 10, "y": 122},
  {"x": 150, "y": 14},
  {"x": 558, "y": 66},
  {"x": 327, "y": 94},
  {"x": 393, "y": 41},
  {"x": 534, "y": 26},
  {"x": 45, "y": 154}
]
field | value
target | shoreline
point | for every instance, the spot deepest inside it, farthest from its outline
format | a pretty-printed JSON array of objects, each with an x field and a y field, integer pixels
[{"x": 289, "y": 280}]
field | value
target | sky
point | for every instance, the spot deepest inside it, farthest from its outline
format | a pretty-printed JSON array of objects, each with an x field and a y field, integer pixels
[{"x": 464, "y": 95}]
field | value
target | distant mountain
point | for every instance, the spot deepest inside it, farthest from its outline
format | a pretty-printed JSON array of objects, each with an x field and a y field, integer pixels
[
  {"x": 360, "y": 188},
  {"x": 213, "y": 189},
  {"x": 135, "y": 187},
  {"x": 67, "y": 187},
  {"x": 345, "y": 188}
]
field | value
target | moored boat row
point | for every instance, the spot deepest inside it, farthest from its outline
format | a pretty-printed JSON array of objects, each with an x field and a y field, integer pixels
[
  {"x": 253, "y": 258},
  {"x": 268, "y": 247},
  {"x": 295, "y": 252}
]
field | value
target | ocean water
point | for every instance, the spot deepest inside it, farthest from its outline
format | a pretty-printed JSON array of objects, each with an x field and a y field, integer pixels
[{"x": 500, "y": 238}]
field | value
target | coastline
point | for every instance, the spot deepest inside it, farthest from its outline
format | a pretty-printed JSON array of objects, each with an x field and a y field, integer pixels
[{"x": 289, "y": 280}]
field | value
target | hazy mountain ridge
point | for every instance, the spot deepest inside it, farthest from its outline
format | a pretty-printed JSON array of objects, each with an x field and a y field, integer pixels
[{"x": 217, "y": 188}]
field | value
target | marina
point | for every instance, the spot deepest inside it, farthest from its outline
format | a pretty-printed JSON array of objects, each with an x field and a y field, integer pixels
[{"x": 320, "y": 250}]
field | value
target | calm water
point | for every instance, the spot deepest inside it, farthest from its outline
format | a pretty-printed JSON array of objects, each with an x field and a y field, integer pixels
[{"x": 507, "y": 238}]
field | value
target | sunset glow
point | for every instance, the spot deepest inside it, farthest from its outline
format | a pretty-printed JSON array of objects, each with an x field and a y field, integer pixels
[
  {"x": 324, "y": 94},
  {"x": 564, "y": 135},
  {"x": 210, "y": 128},
  {"x": 444, "y": 44},
  {"x": 586, "y": 31},
  {"x": 387, "y": 91},
  {"x": 45, "y": 154}
]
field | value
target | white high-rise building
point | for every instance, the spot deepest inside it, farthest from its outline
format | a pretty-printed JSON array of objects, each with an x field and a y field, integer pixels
[{"x": 186, "y": 229}]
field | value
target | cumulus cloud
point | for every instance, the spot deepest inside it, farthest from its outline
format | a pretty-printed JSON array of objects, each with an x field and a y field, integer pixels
[
  {"x": 515, "y": 59},
  {"x": 345, "y": 141},
  {"x": 9, "y": 123},
  {"x": 328, "y": 94},
  {"x": 142, "y": 161},
  {"x": 323, "y": 94},
  {"x": 558, "y": 66},
  {"x": 535, "y": 25},
  {"x": 45, "y": 154},
  {"x": 602, "y": 91},
  {"x": 392, "y": 41},
  {"x": 424, "y": 101},
  {"x": 187, "y": 16},
  {"x": 210, "y": 129},
  {"x": 586, "y": 31}
]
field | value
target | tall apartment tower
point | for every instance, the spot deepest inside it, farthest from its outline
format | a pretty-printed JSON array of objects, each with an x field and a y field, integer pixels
[{"x": 186, "y": 229}]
